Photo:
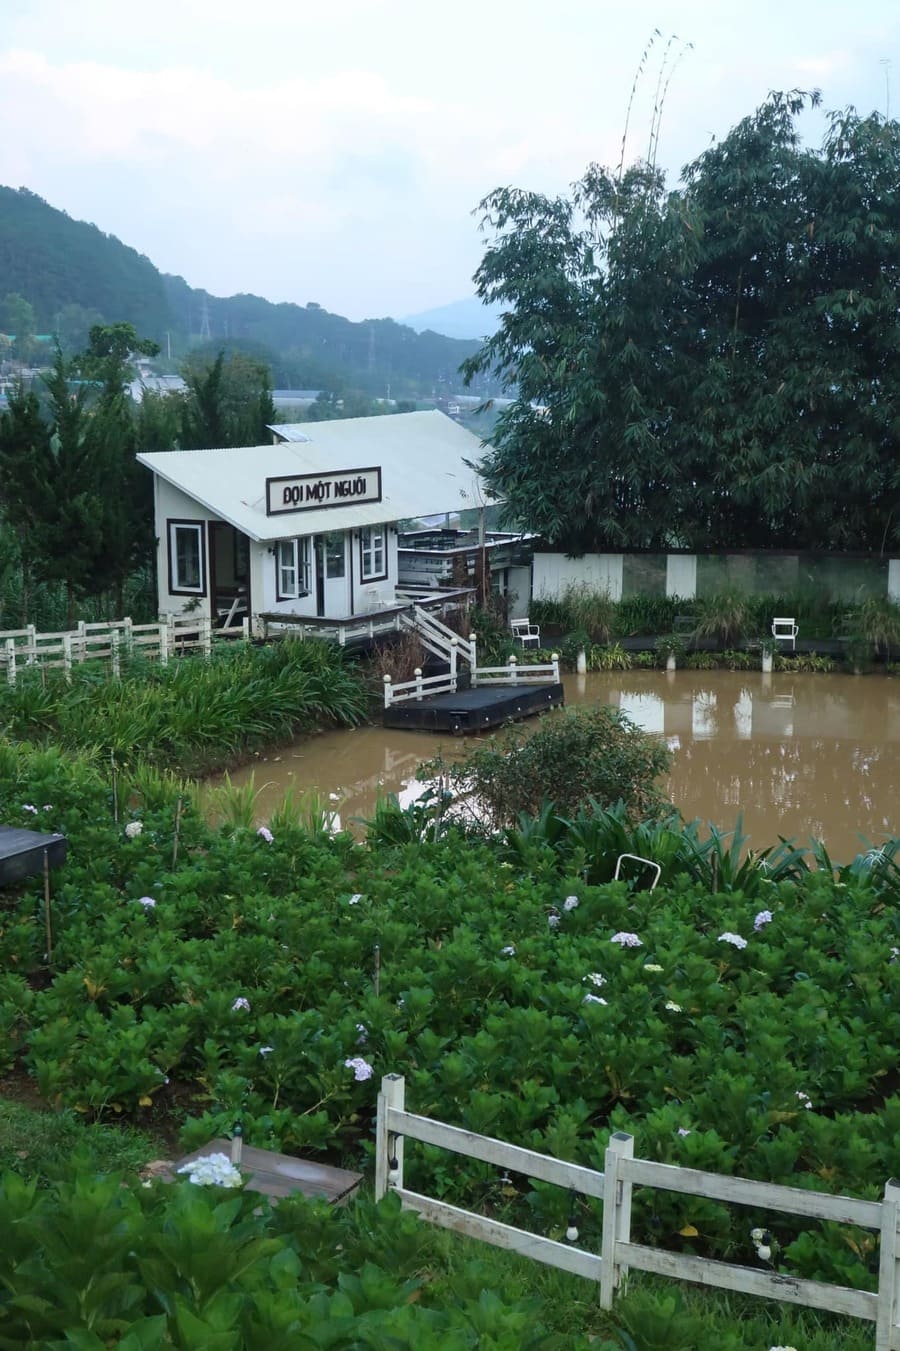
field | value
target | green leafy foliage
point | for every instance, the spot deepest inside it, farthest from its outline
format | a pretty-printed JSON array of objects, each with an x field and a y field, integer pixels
[
  {"x": 573, "y": 756},
  {"x": 196, "y": 713}
]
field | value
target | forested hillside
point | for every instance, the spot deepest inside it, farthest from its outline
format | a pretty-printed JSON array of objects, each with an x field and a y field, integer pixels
[
  {"x": 73, "y": 276},
  {"x": 54, "y": 262}
]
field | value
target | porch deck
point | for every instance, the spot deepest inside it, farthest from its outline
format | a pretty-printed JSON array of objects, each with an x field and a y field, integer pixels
[{"x": 362, "y": 629}]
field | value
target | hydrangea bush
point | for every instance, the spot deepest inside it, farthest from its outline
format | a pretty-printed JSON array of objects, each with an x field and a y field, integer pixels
[{"x": 243, "y": 989}]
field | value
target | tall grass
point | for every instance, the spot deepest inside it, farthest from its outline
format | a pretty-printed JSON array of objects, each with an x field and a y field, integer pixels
[{"x": 193, "y": 714}]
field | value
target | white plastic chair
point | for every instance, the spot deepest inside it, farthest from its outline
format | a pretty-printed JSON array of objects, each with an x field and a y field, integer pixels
[
  {"x": 785, "y": 630},
  {"x": 526, "y": 633}
]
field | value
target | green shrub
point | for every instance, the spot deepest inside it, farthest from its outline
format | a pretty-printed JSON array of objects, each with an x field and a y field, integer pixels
[
  {"x": 725, "y": 617},
  {"x": 573, "y": 757}
]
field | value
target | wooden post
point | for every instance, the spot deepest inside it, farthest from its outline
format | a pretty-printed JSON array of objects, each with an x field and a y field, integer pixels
[
  {"x": 67, "y": 655},
  {"x": 205, "y": 636},
  {"x": 554, "y": 657},
  {"x": 81, "y": 644},
  {"x": 245, "y": 629},
  {"x": 129, "y": 636},
  {"x": 513, "y": 669},
  {"x": 11, "y": 661},
  {"x": 454, "y": 645},
  {"x": 47, "y": 906},
  {"x": 393, "y": 1094},
  {"x": 418, "y": 675},
  {"x": 616, "y": 1216},
  {"x": 886, "y": 1322},
  {"x": 473, "y": 659},
  {"x": 388, "y": 694},
  {"x": 170, "y": 636},
  {"x": 114, "y": 651}
]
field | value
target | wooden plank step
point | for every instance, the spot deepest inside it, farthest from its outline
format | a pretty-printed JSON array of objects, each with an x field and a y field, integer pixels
[{"x": 279, "y": 1175}]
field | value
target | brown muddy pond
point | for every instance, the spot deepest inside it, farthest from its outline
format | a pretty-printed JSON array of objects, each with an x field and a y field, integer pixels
[{"x": 799, "y": 755}]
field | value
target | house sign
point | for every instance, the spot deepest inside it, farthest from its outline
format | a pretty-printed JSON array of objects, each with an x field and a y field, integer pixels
[{"x": 314, "y": 492}]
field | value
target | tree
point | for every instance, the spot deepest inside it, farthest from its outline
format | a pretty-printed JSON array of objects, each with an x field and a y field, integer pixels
[
  {"x": 228, "y": 403},
  {"x": 24, "y": 474},
  {"x": 708, "y": 367},
  {"x": 18, "y": 321}
]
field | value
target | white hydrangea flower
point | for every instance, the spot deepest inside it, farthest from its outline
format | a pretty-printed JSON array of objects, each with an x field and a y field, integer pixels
[
  {"x": 362, "y": 1070},
  {"x": 133, "y": 829},
  {"x": 734, "y": 939},
  {"x": 212, "y": 1170},
  {"x": 673, "y": 1007},
  {"x": 626, "y": 940},
  {"x": 593, "y": 999},
  {"x": 508, "y": 951},
  {"x": 652, "y": 966},
  {"x": 570, "y": 903},
  {"x": 596, "y": 979},
  {"x": 241, "y": 1003}
]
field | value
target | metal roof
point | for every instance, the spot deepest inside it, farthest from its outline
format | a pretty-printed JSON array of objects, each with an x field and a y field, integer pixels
[{"x": 423, "y": 470}]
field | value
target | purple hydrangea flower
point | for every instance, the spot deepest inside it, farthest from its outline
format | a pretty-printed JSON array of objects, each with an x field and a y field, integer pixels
[{"x": 362, "y": 1070}]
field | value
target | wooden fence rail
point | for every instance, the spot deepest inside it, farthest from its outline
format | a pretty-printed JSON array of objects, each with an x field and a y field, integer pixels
[
  {"x": 622, "y": 1172},
  {"x": 109, "y": 641}
]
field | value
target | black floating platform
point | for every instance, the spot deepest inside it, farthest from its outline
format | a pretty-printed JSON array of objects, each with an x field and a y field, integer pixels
[
  {"x": 473, "y": 710},
  {"x": 22, "y": 853}
]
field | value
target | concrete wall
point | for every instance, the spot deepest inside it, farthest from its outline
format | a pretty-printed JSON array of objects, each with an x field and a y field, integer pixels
[
  {"x": 552, "y": 574},
  {"x": 693, "y": 576}
]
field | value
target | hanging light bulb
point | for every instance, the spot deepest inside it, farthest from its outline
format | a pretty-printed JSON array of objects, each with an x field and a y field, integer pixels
[{"x": 393, "y": 1162}]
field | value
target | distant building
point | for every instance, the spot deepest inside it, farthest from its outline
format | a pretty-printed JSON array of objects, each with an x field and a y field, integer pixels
[
  {"x": 149, "y": 383},
  {"x": 295, "y": 398}
]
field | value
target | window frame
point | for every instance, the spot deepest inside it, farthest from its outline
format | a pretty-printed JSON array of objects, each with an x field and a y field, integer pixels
[
  {"x": 368, "y": 547},
  {"x": 197, "y": 528},
  {"x": 299, "y": 546}
]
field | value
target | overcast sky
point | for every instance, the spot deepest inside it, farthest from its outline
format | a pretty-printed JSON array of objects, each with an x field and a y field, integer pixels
[{"x": 335, "y": 151}]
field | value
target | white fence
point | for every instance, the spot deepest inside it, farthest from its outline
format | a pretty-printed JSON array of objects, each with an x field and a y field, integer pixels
[
  {"x": 108, "y": 642},
  {"x": 614, "y": 1187},
  {"x": 511, "y": 674}
]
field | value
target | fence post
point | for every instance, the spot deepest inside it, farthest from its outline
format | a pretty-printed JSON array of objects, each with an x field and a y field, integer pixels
[
  {"x": 454, "y": 645},
  {"x": 473, "y": 658},
  {"x": 554, "y": 657},
  {"x": 82, "y": 639},
  {"x": 11, "y": 661},
  {"x": 67, "y": 655},
  {"x": 163, "y": 643},
  {"x": 114, "y": 651},
  {"x": 418, "y": 675},
  {"x": 388, "y": 1146},
  {"x": 616, "y": 1216},
  {"x": 388, "y": 692},
  {"x": 128, "y": 635},
  {"x": 206, "y": 636},
  {"x": 886, "y": 1321},
  {"x": 170, "y": 635},
  {"x": 513, "y": 669},
  {"x": 245, "y": 629}
]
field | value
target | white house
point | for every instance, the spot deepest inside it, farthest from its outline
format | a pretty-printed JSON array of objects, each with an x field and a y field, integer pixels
[{"x": 306, "y": 527}]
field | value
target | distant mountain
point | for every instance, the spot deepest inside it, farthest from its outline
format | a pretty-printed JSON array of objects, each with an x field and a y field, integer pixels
[
  {"x": 460, "y": 319},
  {"x": 70, "y": 270}
]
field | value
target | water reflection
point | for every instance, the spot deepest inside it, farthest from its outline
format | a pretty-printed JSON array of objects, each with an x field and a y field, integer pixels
[{"x": 800, "y": 756}]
